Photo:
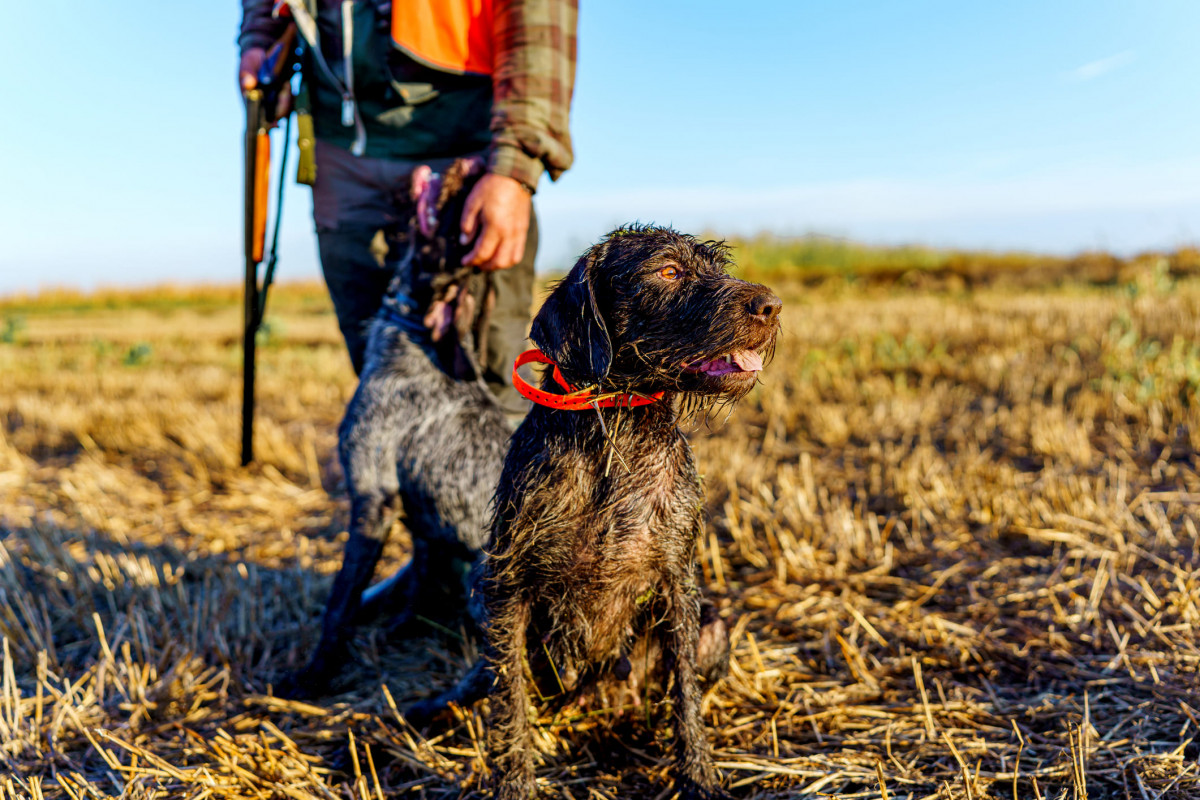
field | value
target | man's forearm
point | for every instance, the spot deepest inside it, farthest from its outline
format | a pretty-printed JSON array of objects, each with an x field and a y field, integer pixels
[{"x": 532, "y": 87}]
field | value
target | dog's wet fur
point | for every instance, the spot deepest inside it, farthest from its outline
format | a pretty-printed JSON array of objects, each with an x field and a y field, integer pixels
[
  {"x": 590, "y": 566},
  {"x": 421, "y": 436}
]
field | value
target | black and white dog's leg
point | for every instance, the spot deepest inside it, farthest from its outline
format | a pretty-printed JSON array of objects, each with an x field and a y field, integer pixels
[
  {"x": 470, "y": 689},
  {"x": 479, "y": 679},
  {"x": 396, "y": 592},
  {"x": 396, "y": 598},
  {"x": 370, "y": 522}
]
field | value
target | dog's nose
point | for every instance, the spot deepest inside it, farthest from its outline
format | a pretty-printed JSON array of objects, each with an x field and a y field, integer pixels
[{"x": 764, "y": 306}]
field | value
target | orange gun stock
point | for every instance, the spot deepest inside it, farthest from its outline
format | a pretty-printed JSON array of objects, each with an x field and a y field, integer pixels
[{"x": 262, "y": 184}]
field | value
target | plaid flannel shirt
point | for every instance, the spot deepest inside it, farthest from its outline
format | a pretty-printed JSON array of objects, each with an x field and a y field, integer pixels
[
  {"x": 532, "y": 83},
  {"x": 532, "y": 86}
]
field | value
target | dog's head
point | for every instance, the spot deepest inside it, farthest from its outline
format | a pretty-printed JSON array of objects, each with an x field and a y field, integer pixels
[
  {"x": 430, "y": 274},
  {"x": 435, "y": 251},
  {"x": 650, "y": 309}
]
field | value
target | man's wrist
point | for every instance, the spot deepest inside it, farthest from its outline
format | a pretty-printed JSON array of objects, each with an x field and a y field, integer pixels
[
  {"x": 513, "y": 162},
  {"x": 524, "y": 187}
]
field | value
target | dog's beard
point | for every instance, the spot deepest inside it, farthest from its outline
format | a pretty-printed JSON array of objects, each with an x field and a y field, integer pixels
[
  {"x": 699, "y": 397},
  {"x": 730, "y": 373}
]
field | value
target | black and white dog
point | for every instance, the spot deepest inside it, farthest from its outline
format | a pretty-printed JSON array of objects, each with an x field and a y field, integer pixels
[{"x": 421, "y": 435}]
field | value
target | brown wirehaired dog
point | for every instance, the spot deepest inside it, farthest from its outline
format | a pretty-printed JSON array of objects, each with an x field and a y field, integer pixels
[{"x": 592, "y": 547}]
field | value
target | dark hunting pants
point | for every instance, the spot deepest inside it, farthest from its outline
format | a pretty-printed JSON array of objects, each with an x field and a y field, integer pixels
[{"x": 356, "y": 198}]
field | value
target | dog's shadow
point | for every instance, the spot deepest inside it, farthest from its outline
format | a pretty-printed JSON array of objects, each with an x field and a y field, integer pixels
[
  {"x": 139, "y": 643},
  {"x": 84, "y": 606}
]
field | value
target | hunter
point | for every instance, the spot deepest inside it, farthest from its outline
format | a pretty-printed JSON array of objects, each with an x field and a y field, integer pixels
[{"x": 394, "y": 85}]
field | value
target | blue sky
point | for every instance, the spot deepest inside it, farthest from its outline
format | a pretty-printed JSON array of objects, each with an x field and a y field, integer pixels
[{"x": 1031, "y": 125}]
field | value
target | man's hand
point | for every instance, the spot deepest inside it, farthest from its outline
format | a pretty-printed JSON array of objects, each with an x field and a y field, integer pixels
[
  {"x": 252, "y": 59},
  {"x": 498, "y": 208}
]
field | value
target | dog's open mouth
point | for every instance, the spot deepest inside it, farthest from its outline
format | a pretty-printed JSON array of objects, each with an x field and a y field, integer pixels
[{"x": 739, "y": 361}]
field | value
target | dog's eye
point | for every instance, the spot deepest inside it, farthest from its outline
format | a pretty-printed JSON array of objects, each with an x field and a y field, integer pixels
[{"x": 669, "y": 273}]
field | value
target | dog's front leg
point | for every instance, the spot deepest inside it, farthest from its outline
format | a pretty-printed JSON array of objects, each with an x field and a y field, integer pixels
[
  {"x": 510, "y": 733},
  {"x": 370, "y": 523},
  {"x": 696, "y": 780}
]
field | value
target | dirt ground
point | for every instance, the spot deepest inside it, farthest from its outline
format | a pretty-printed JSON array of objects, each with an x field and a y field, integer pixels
[{"x": 954, "y": 533}]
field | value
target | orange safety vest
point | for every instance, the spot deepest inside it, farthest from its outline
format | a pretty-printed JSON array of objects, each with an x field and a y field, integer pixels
[{"x": 451, "y": 35}]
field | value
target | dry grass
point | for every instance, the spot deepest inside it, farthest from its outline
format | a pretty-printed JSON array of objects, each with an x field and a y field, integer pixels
[
  {"x": 955, "y": 534},
  {"x": 818, "y": 258}
]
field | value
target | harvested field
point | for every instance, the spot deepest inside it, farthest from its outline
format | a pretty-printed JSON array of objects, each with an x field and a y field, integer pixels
[{"x": 954, "y": 532}]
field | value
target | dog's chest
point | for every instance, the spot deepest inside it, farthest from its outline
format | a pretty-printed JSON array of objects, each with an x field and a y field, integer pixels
[{"x": 638, "y": 544}]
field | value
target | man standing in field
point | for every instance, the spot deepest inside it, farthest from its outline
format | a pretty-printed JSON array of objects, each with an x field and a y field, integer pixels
[{"x": 395, "y": 85}]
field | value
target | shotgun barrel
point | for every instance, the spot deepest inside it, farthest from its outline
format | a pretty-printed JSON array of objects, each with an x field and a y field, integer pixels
[
  {"x": 262, "y": 110},
  {"x": 255, "y": 206}
]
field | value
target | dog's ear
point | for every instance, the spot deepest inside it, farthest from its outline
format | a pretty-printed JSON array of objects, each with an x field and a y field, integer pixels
[{"x": 570, "y": 329}]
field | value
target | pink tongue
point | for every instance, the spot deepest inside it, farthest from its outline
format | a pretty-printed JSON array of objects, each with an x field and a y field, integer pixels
[
  {"x": 748, "y": 360},
  {"x": 743, "y": 361}
]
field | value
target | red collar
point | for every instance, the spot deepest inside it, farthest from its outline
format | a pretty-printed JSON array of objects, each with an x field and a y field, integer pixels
[{"x": 574, "y": 399}]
